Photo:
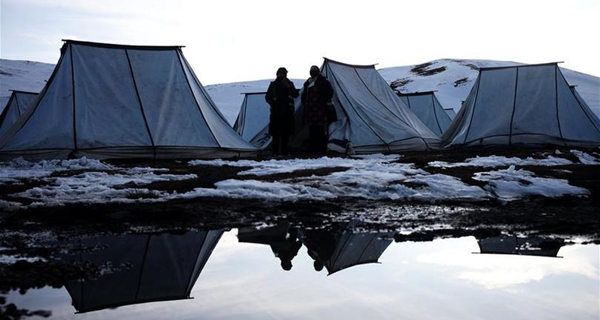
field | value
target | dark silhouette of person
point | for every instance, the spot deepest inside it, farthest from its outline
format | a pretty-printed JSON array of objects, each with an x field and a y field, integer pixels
[
  {"x": 316, "y": 97},
  {"x": 286, "y": 249},
  {"x": 280, "y": 96}
]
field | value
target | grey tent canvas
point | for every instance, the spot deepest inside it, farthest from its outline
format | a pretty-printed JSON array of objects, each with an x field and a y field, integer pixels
[
  {"x": 450, "y": 112},
  {"x": 429, "y": 110},
  {"x": 253, "y": 120},
  {"x": 116, "y": 101},
  {"x": 17, "y": 105},
  {"x": 371, "y": 117},
  {"x": 527, "y": 105},
  {"x": 159, "y": 267}
]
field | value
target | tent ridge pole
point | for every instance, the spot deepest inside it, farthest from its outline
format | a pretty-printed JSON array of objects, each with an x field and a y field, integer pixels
[
  {"x": 474, "y": 105},
  {"x": 435, "y": 114},
  {"x": 512, "y": 116},
  {"x": 556, "y": 101},
  {"x": 73, "y": 96},
  {"x": 137, "y": 93}
]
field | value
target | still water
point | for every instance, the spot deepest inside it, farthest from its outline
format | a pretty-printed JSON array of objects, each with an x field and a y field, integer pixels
[{"x": 283, "y": 272}]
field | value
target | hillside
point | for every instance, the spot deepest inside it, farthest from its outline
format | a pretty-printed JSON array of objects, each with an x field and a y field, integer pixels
[{"x": 451, "y": 78}]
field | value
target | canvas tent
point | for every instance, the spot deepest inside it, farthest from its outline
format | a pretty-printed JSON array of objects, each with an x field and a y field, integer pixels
[
  {"x": 253, "y": 120},
  {"x": 527, "y": 105},
  {"x": 371, "y": 117},
  {"x": 16, "y": 106},
  {"x": 429, "y": 110},
  {"x": 151, "y": 268},
  {"x": 450, "y": 112},
  {"x": 117, "y": 101},
  {"x": 530, "y": 246},
  {"x": 345, "y": 248}
]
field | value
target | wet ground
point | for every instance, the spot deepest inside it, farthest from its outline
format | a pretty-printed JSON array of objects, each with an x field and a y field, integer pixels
[{"x": 394, "y": 259}]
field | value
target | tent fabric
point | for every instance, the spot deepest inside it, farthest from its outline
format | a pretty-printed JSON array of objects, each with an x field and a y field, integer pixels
[
  {"x": 17, "y": 105},
  {"x": 253, "y": 120},
  {"x": 371, "y": 117},
  {"x": 116, "y": 101},
  {"x": 354, "y": 249},
  {"x": 451, "y": 113},
  {"x": 427, "y": 107},
  {"x": 529, "y": 105},
  {"x": 530, "y": 246},
  {"x": 159, "y": 268}
]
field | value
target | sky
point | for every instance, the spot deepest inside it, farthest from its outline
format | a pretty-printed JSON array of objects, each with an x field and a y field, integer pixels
[{"x": 239, "y": 40}]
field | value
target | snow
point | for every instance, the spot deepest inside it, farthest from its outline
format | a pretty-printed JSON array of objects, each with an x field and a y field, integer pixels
[
  {"x": 375, "y": 177},
  {"x": 268, "y": 167},
  {"x": 22, "y": 75},
  {"x": 451, "y": 94},
  {"x": 100, "y": 187},
  {"x": 19, "y": 169},
  {"x": 511, "y": 184},
  {"x": 585, "y": 158},
  {"x": 501, "y": 161}
]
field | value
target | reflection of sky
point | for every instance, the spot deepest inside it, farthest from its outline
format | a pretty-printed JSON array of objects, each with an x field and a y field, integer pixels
[{"x": 442, "y": 279}]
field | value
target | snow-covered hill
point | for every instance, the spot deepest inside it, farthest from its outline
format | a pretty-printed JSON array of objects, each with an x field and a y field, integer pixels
[
  {"x": 22, "y": 75},
  {"x": 451, "y": 78}
]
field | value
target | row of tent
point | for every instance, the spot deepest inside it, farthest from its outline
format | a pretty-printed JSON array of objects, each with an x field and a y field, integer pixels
[
  {"x": 120, "y": 101},
  {"x": 162, "y": 267}
]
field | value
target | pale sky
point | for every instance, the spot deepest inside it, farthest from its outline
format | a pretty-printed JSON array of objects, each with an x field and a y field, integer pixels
[{"x": 238, "y": 40}]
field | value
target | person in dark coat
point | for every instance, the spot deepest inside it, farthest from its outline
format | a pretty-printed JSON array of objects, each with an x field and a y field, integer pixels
[
  {"x": 280, "y": 96},
  {"x": 316, "y": 99}
]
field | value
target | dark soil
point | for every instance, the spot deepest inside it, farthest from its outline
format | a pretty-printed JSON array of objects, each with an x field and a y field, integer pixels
[{"x": 424, "y": 70}]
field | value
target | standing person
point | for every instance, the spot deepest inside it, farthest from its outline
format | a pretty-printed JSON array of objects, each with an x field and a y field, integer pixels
[
  {"x": 280, "y": 96},
  {"x": 316, "y": 96}
]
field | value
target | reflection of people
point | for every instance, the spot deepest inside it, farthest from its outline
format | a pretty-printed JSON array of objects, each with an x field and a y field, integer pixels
[
  {"x": 280, "y": 96},
  {"x": 340, "y": 247},
  {"x": 316, "y": 96},
  {"x": 282, "y": 238},
  {"x": 287, "y": 249}
]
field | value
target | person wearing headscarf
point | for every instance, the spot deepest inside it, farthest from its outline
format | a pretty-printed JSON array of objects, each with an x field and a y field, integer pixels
[{"x": 316, "y": 97}]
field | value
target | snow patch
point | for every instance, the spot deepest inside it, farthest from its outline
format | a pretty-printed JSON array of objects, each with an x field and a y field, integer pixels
[
  {"x": 585, "y": 158},
  {"x": 20, "y": 169},
  {"x": 269, "y": 167},
  {"x": 501, "y": 161},
  {"x": 511, "y": 184},
  {"x": 101, "y": 187}
]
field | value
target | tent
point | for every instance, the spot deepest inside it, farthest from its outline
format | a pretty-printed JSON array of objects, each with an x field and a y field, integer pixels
[
  {"x": 371, "y": 117},
  {"x": 17, "y": 104},
  {"x": 527, "y": 105},
  {"x": 529, "y": 246},
  {"x": 120, "y": 101},
  {"x": 450, "y": 112},
  {"x": 252, "y": 122},
  {"x": 345, "y": 248},
  {"x": 150, "y": 268},
  {"x": 429, "y": 110}
]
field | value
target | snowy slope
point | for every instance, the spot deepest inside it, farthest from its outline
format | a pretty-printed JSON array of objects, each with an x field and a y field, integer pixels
[
  {"x": 453, "y": 79},
  {"x": 22, "y": 75}
]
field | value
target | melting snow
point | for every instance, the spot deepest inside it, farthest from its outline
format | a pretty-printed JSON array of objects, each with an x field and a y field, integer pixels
[
  {"x": 19, "y": 168},
  {"x": 501, "y": 161},
  {"x": 274, "y": 166},
  {"x": 585, "y": 158},
  {"x": 511, "y": 184}
]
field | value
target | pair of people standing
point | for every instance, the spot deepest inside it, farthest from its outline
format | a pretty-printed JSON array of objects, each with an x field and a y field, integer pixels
[{"x": 316, "y": 100}]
